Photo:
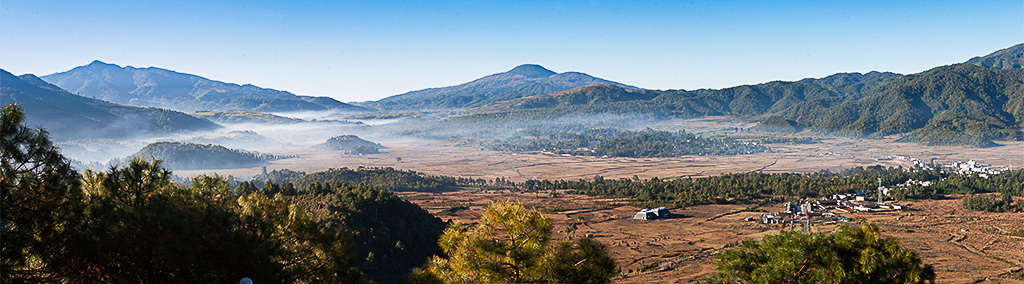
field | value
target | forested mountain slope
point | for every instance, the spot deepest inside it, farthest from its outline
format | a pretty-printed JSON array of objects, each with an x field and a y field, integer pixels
[
  {"x": 524, "y": 80},
  {"x": 959, "y": 104},
  {"x": 155, "y": 87},
  {"x": 1009, "y": 58},
  {"x": 771, "y": 97},
  {"x": 67, "y": 116},
  {"x": 956, "y": 104}
]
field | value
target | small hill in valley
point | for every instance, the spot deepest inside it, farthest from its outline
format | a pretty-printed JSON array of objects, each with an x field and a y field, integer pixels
[
  {"x": 352, "y": 143},
  {"x": 777, "y": 124},
  {"x": 192, "y": 156},
  {"x": 232, "y": 117}
]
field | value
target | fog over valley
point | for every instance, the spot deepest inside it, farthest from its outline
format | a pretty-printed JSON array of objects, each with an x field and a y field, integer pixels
[{"x": 530, "y": 142}]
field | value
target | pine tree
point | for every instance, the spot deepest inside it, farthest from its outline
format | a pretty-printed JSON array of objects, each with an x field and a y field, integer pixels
[
  {"x": 851, "y": 255},
  {"x": 39, "y": 191},
  {"x": 512, "y": 245}
]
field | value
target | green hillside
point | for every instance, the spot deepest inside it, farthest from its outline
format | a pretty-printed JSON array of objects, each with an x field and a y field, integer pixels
[
  {"x": 771, "y": 97},
  {"x": 1009, "y": 58},
  {"x": 191, "y": 156},
  {"x": 949, "y": 105}
]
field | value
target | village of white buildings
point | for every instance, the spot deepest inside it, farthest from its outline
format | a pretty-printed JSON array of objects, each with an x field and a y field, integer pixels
[
  {"x": 830, "y": 210},
  {"x": 797, "y": 213}
]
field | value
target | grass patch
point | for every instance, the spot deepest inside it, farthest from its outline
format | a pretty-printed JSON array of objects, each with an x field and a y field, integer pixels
[
  {"x": 450, "y": 211},
  {"x": 1018, "y": 233}
]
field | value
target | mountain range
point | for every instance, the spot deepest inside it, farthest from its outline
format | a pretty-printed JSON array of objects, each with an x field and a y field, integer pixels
[
  {"x": 522, "y": 81},
  {"x": 68, "y": 116},
  {"x": 155, "y": 87},
  {"x": 969, "y": 103}
]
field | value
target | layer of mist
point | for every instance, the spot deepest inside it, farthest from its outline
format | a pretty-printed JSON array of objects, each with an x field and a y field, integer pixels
[{"x": 321, "y": 126}]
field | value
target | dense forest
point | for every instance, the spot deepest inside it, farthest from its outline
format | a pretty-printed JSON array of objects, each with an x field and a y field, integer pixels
[
  {"x": 755, "y": 186},
  {"x": 749, "y": 187},
  {"x": 624, "y": 143},
  {"x": 191, "y": 156},
  {"x": 1003, "y": 203},
  {"x": 390, "y": 235},
  {"x": 383, "y": 177},
  {"x": 950, "y": 105}
]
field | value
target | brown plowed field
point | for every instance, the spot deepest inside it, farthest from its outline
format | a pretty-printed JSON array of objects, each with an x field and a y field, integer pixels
[{"x": 964, "y": 246}]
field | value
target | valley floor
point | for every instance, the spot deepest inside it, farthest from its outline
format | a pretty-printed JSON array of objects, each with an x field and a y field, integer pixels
[
  {"x": 466, "y": 160},
  {"x": 964, "y": 246}
]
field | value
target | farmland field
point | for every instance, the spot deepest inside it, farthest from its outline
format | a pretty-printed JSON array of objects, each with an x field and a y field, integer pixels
[{"x": 964, "y": 246}]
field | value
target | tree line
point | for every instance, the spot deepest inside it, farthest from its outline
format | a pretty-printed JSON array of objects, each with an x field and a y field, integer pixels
[
  {"x": 754, "y": 186},
  {"x": 624, "y": 143},
  {"x": 384, "y": 177},
  {"x": 1002, "y": 203}
]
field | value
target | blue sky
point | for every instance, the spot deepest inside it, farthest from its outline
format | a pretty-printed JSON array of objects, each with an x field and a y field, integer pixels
[{"x": 356, "y": 51}]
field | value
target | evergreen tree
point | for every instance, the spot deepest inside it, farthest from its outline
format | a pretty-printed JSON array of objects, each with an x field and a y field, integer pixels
[
  {"x": 138, "y": 226},
  {"x": 851, "y": 255},
  {"x": 512, "y": 245},
  {"x": 38, "y": 192}
]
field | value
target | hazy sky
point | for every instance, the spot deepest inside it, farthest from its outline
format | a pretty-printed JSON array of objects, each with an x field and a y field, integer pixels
[{"x": 356, "y": 51}]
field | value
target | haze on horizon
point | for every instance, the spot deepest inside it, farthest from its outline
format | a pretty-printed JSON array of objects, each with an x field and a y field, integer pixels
[{"x": 357, "y": 51}]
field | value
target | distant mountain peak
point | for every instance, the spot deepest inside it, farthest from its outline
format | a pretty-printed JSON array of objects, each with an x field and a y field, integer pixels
[
  {"x": 522, "y": 81},
  {"x": 163, "y": 88},
  {"x": 531, "y": 71},
  {"x": 101, "y": 63}
]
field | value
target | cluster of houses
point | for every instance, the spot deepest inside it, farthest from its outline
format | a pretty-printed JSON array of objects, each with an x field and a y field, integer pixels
[
  {"x": 963, "y": 168},
  {"x": 652, "y": 214},
  {"x": 794, "y": 212},
  {"x": 854, "y": 203},
  {"x": 916, "y": 162},
  {"x": 972, "y": 167}
]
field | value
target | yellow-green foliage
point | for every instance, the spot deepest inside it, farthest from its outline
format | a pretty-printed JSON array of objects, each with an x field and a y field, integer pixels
[{"x": 512, "y": 245}]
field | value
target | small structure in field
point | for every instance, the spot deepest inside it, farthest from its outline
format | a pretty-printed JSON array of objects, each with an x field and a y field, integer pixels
[{"x": 651, "y": 214}]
